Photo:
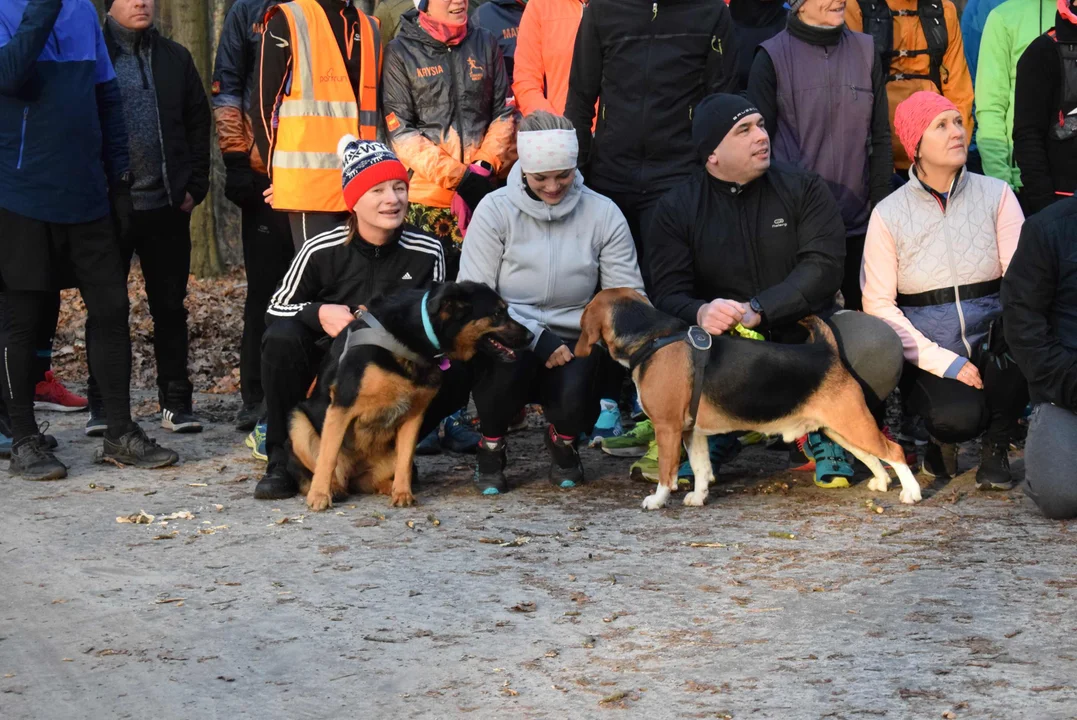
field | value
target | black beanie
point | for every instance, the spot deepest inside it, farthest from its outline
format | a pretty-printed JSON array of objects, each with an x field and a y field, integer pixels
[
  {"x": 714, "y": 117},
  {"x": 108, "y": 4}
]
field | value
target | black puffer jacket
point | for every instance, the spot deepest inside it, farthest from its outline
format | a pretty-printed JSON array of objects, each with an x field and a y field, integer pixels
[
  {"x": 779, "y": 239},
  {"x": 1039, "y": 298},
  {"x": 651, "y": 62},
  {"x": 183, "y": 115}
]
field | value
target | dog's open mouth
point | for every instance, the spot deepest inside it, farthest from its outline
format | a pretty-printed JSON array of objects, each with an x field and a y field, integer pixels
[{"x": 500, "y": 349}]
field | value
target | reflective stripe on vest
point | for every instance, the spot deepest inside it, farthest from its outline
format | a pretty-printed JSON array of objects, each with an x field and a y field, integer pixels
[{"x": 319, "y": 107}]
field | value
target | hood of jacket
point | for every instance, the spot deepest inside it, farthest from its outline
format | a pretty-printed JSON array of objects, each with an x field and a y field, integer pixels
[{"x": 516, "y": 189}]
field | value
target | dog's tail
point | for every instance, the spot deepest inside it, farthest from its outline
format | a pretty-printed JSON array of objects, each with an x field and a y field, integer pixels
[{"x": 819, "y": 332}]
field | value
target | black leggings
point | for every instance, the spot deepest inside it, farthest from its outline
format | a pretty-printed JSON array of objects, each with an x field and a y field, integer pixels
[
  {"x": 568, "y": 394},
  {"x": 954, "y": 412},
  {"x": 45, "y": 334}
]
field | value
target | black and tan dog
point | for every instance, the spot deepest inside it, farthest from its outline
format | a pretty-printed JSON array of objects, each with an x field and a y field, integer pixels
[
  {"x": 771, "y": 388},
  {"x": 357, "y": 431}
]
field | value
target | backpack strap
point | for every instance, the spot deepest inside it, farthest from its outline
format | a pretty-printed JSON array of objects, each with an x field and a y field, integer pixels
[{"x": 933, "y": 23}]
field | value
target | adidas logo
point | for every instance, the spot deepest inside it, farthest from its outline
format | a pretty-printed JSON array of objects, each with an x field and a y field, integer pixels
[{"x": 407, "y": 276}]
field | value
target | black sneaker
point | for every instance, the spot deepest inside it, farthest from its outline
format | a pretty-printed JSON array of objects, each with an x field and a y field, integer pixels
[
  {"x": 490, "y": 464},
  {"x": 913, "y": 432},
  {"x": 51, "y": 443},
  {"x": 249, "y": 415},
  {"x": 276, "y": 484},
  {"x": 566, "y": 470},
  {"x": 177, "y": 411},
  {"x": 96, "y": 424},
  {"x": 994, "y": 470},
  {"x": 32, "y": 460},
  {"x": 940, "y": 459},
  {"x": 138, "y": 449}
]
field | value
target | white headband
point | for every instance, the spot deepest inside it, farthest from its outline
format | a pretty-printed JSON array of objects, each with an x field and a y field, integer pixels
[{"x": 546, "y": 150}]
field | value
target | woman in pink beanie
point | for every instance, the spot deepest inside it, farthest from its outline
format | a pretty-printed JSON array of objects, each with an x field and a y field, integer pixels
[{"x": 934, "y": 257}]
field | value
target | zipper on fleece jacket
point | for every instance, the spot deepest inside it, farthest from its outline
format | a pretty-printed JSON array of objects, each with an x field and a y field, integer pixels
[
  {"x": 953, "y": 268},
  {"x": 22, "y": 138}
]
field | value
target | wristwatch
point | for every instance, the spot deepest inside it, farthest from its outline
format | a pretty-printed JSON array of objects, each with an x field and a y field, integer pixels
[{"x": 756, "y": 307}]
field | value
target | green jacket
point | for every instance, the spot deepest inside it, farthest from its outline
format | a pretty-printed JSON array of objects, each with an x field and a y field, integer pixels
[{"x": 1009, "y": 30}]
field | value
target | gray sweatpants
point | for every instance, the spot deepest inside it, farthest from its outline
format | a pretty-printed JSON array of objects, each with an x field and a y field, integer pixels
[{"x": 1051, "y": 461}]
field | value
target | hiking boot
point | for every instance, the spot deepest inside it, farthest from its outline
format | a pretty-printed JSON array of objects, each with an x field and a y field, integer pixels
[
  {"x": 276, "y": 484},
  {"x": 634, "y": 443},
  {"x": 940, "y": 459},
  {"x": 994, "y": 470},
  {"x": 457, "y": 434},
  {"x": 723, "y": 448},
  {"x": 249, "y": 415},
  {"x": 50, "y": 394},
  {"x": 32, "y": 460},
  {"x": 256, "y": 441},
  {"x": 177, "y": 413},
  {"x": 832, "y": 467},
  {"x": 566, "y": 470},
  {"x": 136, "y": 448},
  {"x": 608, "y": 424},
  {"x": 490, "y": 461}
]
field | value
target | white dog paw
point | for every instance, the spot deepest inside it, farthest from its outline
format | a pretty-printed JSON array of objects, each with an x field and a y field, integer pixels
[
  {"x": 910, "y": 496},
  {"x": 695, "y": 499},
  {"x": 879, "y": 485},
  {"x": 653, "y": 502}
]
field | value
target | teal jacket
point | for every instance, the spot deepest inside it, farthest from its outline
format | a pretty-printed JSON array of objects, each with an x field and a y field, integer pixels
[{"x": 1009, "y": 29}]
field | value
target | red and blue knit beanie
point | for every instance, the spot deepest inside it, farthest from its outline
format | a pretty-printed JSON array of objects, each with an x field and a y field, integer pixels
[{"x": 365, "y": 164}]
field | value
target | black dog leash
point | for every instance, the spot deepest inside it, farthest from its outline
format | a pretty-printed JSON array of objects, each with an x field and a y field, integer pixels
[{"x": 700, "y": 341}]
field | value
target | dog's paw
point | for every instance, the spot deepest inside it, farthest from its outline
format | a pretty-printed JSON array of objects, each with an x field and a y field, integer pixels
[
  {"x": 910, "y": 496},
  {"x": 653, "y": 502},
  {"x": 695, "y": 499},
  {"x": 319, "y": 501},
  {"x": 879, "y": 485},
  {"x": 402, "y": 499}
]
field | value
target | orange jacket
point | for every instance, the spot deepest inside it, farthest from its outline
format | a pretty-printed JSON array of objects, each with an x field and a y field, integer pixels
[
  {"x": 544, "y": 47},
  {"x": 908, "y": 35}
]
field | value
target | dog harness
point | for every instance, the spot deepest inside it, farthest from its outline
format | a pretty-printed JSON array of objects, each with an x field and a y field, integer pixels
[
  {"x": 700, "y": 341},
  {"x": 376, "y": 334}
]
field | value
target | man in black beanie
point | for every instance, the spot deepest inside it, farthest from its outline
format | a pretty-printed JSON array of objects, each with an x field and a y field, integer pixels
[{"x": 745, "y": 242}]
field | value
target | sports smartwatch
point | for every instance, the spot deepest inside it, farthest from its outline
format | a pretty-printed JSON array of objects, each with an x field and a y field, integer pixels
[{"x": 756, "y": 308}]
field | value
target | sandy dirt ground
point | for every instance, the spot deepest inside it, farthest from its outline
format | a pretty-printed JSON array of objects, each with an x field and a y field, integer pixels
[{"x": 776, "y": 600}]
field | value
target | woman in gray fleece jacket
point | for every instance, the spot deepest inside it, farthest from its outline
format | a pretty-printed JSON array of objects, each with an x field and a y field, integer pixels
[{"x": 546, "y": 244}]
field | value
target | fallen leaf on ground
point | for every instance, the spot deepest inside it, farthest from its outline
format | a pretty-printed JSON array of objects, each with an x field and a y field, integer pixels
[
  {"x": 784, "y": 535},
  {"x": 218, "y": 507},
  {"x": 520, "y": 540},
  {"x": 706, "y": 544},
  {"x": 139, "y": 518},
  {"x": 613, "y": 698},
  {"x": 524, "y": 607},
  {"x": 491, "y": 541},
  {"x": 178, "y": 515},
  {"x": 197, "y": 484},
  {"x": 166, "y": 536},
  {"x": 433, "y": 520},
  {"x": 165, "y": 601}
]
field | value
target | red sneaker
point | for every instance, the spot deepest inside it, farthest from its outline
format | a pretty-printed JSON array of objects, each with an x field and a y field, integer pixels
[{"x": 51, "y": 394}]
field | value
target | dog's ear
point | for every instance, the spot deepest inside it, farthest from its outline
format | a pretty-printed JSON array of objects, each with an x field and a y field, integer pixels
[
  {"x": 590, "y": 328},
  {"x": 454, "y": 303}
]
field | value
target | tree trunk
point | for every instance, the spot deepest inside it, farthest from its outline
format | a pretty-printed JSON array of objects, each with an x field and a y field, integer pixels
[{"x": 189, "y": 27}]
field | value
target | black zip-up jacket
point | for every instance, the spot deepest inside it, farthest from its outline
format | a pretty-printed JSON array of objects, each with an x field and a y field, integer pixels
[
  {"x": 1047, "y": 165},
  {"x": 1039, "y": 300},
  {"x": 779, "y": 239},
  {"x": 651, "y": 63},
  {"x": 330, "y": 270},
  {"x": 183, "y": 115}
]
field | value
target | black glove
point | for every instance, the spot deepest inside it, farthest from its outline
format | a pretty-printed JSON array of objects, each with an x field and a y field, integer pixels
[
  {"x": 473, "y": 188},
  {"x": 239, "y": 185},
  {"x": 122, "y": 208}
]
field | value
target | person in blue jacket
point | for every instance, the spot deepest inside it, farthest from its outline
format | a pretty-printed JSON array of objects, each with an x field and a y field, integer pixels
[
  {"x": 64, "y": 164},
  {"x": 502, "y": 18}
]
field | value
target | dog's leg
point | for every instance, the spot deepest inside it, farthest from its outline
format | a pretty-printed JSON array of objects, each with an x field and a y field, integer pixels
[
  {"x": 669, "y": 457},
  {"x": 889, "y": 451},
  {"x": 336, "y": 424},
  {"x": 406, "y": 438},
  {"x": 700, "y": 458},
  {"x": 880, "y": 480}
]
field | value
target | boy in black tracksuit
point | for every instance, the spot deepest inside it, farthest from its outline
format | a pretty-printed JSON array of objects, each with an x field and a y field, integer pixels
[
  {"x": 168, "y": 121},
  {"x": 339, "y": 268}
]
